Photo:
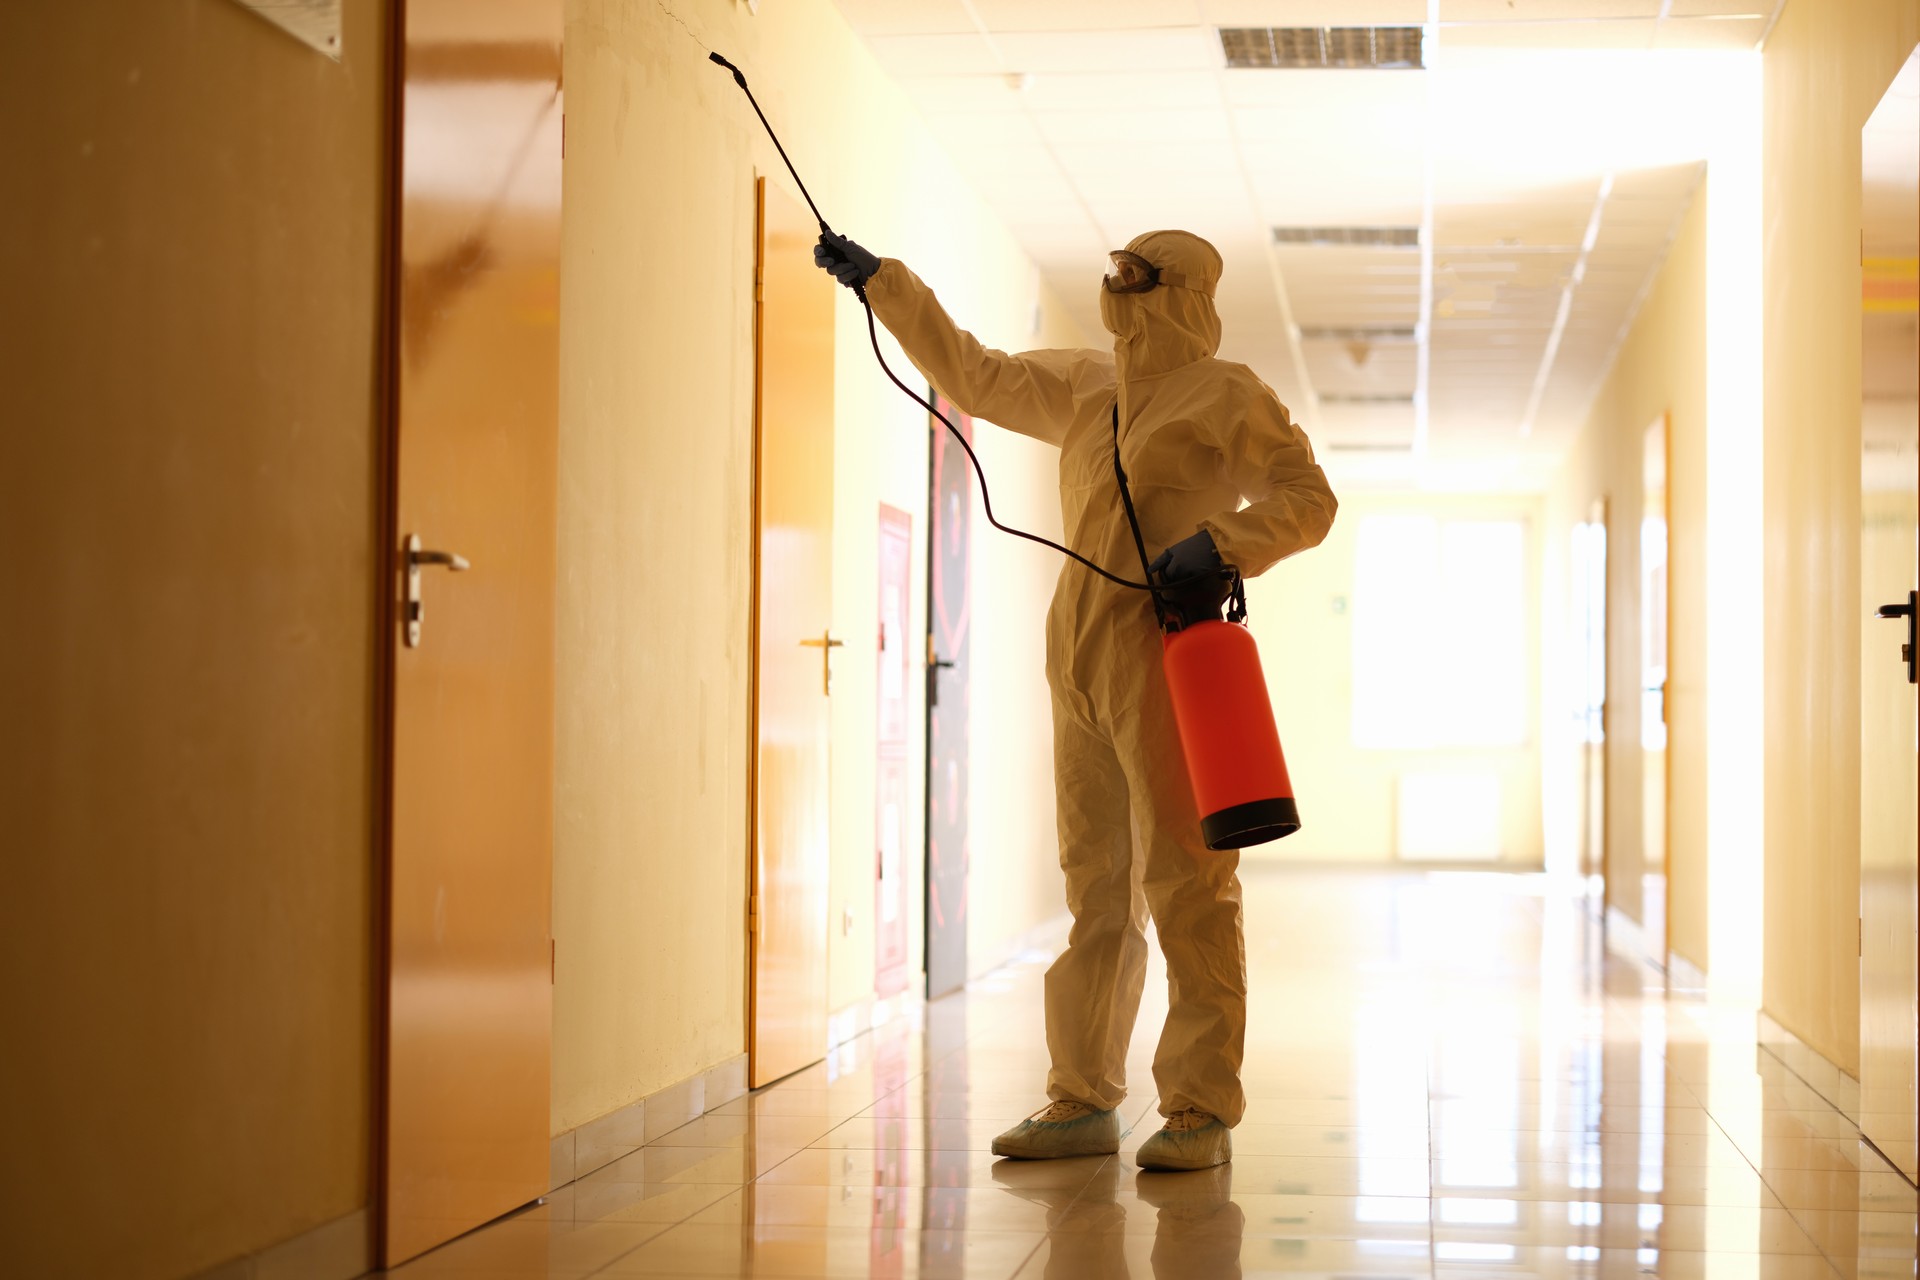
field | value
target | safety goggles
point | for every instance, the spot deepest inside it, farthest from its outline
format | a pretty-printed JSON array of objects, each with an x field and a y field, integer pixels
[{"x": 1134, "y": 274}]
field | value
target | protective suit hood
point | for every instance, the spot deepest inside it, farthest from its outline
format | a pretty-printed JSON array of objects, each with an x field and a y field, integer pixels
[{"x": 1167, "y": 327}]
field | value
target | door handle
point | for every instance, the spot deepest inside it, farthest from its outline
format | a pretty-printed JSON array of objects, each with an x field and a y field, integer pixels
[
  {"x": 418, "y": 558},
  {"x": 1908, "y": 651},
  {"x": 826, "y": 644},
  {"x": 935, "y": 664}
]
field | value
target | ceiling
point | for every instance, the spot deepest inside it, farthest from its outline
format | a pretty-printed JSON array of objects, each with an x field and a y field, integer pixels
[{"x": 1546, "y": 154}]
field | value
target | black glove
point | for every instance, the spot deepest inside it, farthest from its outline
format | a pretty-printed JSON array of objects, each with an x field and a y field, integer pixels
[
  {"x": 844, "y": 260},
  {"x": 1192, "y": 579}
]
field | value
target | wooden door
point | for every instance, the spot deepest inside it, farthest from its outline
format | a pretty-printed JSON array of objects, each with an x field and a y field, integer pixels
[
  {"x": 1889, "y": 592},
  {"x": 1654, "y": 613},
  {"x": 469, "y": 978},
  {"x": 949, "y": 600},
  {"x": 793, "y": 641},
  {"x": 1590, "y": 636},
  {"x": 890, "y": 787}
]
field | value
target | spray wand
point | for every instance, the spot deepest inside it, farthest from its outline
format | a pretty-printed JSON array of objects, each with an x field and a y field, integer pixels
[{"x": 873, "y": 335}]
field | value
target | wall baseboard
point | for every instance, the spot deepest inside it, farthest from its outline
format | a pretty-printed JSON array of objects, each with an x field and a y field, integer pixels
[
  {"x": 1813, "y": 1068},
  {"x": 1627, "y": 937},
  {"x": 337, "y": 1250},
  {"x": 1684, "y": 977},
  {"x": 599, "y": 1142},
  {"x": 624, "y": 1130}
]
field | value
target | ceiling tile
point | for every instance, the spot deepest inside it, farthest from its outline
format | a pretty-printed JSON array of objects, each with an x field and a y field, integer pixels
[
  {"x": 906, "y": 56},
  {"x": 1314, "y": 13},
  {"x": 1626, "y": 33},
  {"x": 1142, "y": 53},
  {"x": 1523, "y": 11},
  {"x": 904, "y": 17},
  {"x": 1700, "y": 8},
  {"x": 1077, "y": 15},
  {"x": 1121, "y": 91},
  {"x": 1709, "y": 33},
  {"x": 1175, "y": 127}
]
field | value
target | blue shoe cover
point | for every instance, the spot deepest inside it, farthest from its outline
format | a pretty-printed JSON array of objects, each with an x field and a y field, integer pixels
[
  {"x": 1189, "y": 1140},
  {"x": 1063, "y": 1130}
]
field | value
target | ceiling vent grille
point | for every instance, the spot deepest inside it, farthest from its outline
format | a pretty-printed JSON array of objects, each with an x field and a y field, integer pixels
[
  {"x": 1369, "y": 237},
  {"x": 1331, "y": 397},
  {"x": 1350, "y": 48},
  {"x": 1369, "y": 446}
]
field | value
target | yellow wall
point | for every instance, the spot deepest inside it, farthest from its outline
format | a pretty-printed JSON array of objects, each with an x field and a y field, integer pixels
[
  {"x": 1826, "y": 65},
  {"x": 1660, "y": 369},
  {"x": 191, "y": 247},
  {"x": 1301, "y": 613},
  {"x": 650, "y": 841}
]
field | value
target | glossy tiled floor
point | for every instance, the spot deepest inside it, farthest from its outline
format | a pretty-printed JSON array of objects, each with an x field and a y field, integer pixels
[{"x": 1446, "y": 1078}]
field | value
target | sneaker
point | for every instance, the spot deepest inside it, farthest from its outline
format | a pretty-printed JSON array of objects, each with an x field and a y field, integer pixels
[
  {"x": 1061, "y": 1130},
  {"x": 1189, "y": 1140}
]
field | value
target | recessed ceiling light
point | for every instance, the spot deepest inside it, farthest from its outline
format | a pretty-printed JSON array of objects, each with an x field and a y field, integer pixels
[
  {"x": 1371, "y": 237},
  {"x": 1344, "y": 48}
]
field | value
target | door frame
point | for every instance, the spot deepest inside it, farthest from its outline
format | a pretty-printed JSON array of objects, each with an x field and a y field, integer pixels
[
  {"x": 388, "y": 583},
  {"x": 751, "y": 1000},
  {"x": 768, "y": 186}
]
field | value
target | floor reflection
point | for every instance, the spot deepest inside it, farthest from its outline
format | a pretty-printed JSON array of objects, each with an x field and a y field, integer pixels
[{"x": 1448, "y": 1075}]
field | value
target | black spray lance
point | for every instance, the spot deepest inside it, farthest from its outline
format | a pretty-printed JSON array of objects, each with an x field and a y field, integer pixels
[{"x": 1219, "y": 693}]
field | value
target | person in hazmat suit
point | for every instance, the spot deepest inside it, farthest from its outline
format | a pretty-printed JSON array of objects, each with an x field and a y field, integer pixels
[{"x": 1220, "y": 477}]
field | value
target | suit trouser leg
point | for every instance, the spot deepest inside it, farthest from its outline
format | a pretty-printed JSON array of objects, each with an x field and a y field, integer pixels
[
  {"x": 1093, "y": 989},
  {"x": 1194, "y": 896}
]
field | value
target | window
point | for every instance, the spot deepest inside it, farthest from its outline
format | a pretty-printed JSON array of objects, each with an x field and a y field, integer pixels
[{"x": 1440, "y": 654}]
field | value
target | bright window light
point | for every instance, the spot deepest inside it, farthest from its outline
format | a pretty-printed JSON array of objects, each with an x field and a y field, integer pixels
[{"x": 1440, "y": 633}]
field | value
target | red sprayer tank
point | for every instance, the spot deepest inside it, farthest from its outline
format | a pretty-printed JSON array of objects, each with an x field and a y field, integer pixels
[{"x": 1228, "y": 736}]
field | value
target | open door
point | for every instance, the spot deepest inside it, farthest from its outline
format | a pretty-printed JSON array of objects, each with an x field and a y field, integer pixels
[
  {"x": 793, "y": 643},
  {"x": 470, "y": 962},
  {"x": 949, "y": 601},
  {"x": 890, "y": 780},
  {"x": 1654, "y": 613},
  {"x": 1590, "y": 644},
  {"x": 1889, "y": 581}
]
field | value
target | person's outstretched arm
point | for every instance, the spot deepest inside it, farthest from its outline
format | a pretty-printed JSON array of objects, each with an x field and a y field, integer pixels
[
  {"x": 1032, "y": 393},
  {"x": 1289, "y": 503}
]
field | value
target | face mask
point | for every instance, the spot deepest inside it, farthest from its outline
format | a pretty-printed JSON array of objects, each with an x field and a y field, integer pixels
[{"x": 1121, "y": 313}]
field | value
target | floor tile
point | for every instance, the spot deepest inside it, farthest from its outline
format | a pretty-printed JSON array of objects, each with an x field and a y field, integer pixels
[
  {"x": 808, "y": 1251},
  {"x": 1446, "y": 1076}
]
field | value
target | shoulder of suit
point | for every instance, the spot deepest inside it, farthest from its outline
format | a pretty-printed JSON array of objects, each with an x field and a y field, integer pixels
[{"x": 1238, "y": 377}]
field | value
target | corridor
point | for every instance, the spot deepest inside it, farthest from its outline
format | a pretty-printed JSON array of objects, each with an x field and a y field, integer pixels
[{"x": 1448, "y": 1075}]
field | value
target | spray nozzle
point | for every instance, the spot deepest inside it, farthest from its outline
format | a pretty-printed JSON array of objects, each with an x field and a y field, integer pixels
[{"x": 738, "y": 78}]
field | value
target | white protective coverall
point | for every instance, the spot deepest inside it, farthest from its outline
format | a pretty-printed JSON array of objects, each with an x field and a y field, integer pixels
[{"x": 1197, "y": 435}]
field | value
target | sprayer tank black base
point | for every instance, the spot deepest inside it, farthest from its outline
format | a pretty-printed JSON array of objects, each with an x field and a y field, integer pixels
[{"x": 1255, "y": 822}]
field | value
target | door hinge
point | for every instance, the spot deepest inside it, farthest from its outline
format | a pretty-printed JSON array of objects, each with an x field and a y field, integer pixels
[
  {"x": 553, "y": 962},
  {"x": 1862, "y": 943},
  {"x": 753, "y": 913},
  {"x": 563, "y": 135},
  {"x": 759, "y": 286}
]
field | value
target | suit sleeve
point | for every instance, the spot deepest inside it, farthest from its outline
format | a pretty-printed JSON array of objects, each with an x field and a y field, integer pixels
[
  {"x": 1031, "y": 393},
  {"x": 1289, "y": 505}
]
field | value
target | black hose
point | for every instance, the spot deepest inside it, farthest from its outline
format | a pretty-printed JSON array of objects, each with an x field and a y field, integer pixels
[
  {"x": 873, "y": 334},
  {"x": 986, "y": 497}
]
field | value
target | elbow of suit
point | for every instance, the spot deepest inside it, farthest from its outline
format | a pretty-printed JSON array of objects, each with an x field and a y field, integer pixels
[{"x": 1329, "y": 507}]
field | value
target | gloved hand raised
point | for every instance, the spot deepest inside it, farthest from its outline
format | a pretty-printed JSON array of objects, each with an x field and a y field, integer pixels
[
  {"x": 844, "y": 260},
  {"x": 1192, "y": 578}
]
